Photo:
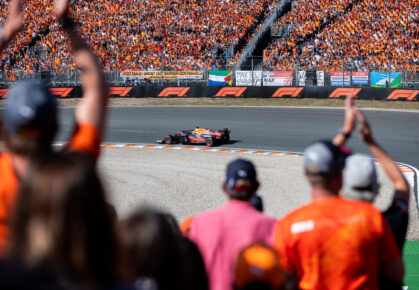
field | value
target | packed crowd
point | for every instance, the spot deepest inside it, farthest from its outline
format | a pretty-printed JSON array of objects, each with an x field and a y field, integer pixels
[
  {"x": 143, "y": 35},
  {"x": 58, "y": 231},
  {"x": 196, "y": 35},
  {"x": 39, "y": 15},
  {"x": 372, "y": 34}
]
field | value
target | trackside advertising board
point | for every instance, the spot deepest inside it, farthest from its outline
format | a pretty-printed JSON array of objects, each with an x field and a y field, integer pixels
[
  {"x": 277, "y": 78},
  {"x": 244, "y": 78},
  {"x": 359, "y": 78},
  {"x": 382, "y": 80},
  {"x": 219, "y": 78},
  {"x": 337, "y": 80},
  {"x": 165, "y": 75},
  {"x": 204, "y": 91}
]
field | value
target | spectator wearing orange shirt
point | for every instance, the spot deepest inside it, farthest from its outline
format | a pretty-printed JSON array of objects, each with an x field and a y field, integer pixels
[{"x": 333, "y": 243}]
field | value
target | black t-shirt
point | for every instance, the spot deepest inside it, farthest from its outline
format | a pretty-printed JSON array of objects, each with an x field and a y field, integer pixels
[
  {"x": 397, "y": 216},
  {"x": 16, "y": 276}
]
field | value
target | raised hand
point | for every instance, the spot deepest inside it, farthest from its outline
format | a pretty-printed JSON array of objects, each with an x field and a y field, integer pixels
[
  {"x": 350, "y": 112},
  {"x": 61, "y": 8},
  {"x": 365, "y": 129}
]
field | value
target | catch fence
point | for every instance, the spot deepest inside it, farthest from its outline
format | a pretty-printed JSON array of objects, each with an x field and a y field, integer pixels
[{"x": 252, "y": 74}]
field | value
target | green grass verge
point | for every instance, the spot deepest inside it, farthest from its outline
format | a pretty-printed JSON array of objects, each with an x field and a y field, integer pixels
[{"x": 411, "y": 260}]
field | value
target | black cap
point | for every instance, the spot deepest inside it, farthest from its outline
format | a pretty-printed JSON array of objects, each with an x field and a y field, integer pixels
[{"x": 240, "y": 169}]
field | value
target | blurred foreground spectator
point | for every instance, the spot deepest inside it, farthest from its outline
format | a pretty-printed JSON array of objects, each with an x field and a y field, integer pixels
[
  {"x": 333, "y": 243},
  {"x": 360, "y": 182},
  {"x": 157, "y": 251},
  {"x": 30, "y": 118},
  {"x": 258, "y": 268},
  {"x": 220, "y": 234},
  {"x": 63, "y": 227}
]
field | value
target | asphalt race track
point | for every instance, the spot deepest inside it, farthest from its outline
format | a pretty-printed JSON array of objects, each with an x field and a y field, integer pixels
[
  {"x": 287, "y": 129},
  {"x": 185, "y": 182}
]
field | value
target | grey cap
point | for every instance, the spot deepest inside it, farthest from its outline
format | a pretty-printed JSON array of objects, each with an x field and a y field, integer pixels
[
  {"x": 360, "y": 178},
  {"x": 324, "y": 156},
  {"x": 30, "y": 106}
]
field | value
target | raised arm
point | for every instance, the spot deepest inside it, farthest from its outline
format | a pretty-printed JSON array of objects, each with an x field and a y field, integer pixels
[
  {"x": 13, "y": 25},
  {"x": 349, "y": 123},
  {"x": 390, "y": 167},
  {"x": 92, "y": 108}
]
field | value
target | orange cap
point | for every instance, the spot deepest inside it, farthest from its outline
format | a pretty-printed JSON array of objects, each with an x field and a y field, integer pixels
[
  {"x": 185, "y": 226},
  {"x": 258, "y": 263}
]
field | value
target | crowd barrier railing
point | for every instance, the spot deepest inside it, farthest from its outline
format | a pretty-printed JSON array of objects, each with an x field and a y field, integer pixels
[{"x": 256, "y": 76}]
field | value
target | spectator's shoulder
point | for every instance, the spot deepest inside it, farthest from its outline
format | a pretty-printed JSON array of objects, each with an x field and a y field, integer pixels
[
  {"x": 5, "y": 159},
  {"x": 264, "y": 219},
  {"x": 363, "y": 205},
  {"x": 206, "y": 215},
  {"x": 301, "y": 212}
]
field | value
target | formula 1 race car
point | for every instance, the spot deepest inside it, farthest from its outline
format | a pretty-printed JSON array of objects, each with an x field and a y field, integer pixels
[{"x": 198, "y": 136}]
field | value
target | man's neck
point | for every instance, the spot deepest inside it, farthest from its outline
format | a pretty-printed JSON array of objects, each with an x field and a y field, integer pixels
[
  {"x": 20, "y": 164},
  {"x": 322, "y": 193}
]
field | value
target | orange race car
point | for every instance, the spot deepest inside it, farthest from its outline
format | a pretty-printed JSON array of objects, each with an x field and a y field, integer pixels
[{"x": 198, "y": 135}]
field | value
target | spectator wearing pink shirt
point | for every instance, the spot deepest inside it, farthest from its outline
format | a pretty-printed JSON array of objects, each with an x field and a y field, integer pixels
[{"x": 220, "y": 234}]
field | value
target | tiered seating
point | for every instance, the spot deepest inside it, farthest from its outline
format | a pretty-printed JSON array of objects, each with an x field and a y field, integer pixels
[
  {"x": 147, "y": 35},
  {"x": 373, "y": 35}
]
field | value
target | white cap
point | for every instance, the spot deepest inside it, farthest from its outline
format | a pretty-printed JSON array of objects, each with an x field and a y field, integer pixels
[{"x": 360, "y": 178}]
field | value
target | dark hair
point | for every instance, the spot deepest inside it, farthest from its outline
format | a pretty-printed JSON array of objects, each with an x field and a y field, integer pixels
[
  {"x": 243, "y": 195},
  {"x": 62, "y": 219},
  {"x": 18, "y": 144},
  {"x": 157, "y": 250}
]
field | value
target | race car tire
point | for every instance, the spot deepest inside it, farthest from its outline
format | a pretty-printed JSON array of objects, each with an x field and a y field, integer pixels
[
  {"x": 209, "y": 142},
  {"x": 168, "y": 140},
  {"x": 226, "y": 139},
  {"x": 185, "y": 140}
]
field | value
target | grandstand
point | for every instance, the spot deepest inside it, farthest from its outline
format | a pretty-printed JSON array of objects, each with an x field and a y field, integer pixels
[
  {"x": 56, "y": 225},
  {"x": 359, "y": 35},
  {"x": 349, "y": 35}
]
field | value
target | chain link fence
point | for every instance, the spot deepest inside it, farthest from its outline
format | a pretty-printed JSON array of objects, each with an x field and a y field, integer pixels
[{"x": 408, "y": 80}]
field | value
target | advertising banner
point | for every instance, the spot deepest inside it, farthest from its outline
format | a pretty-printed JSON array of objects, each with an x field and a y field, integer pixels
[
  {"x": 301, "y": 78},
  {"x": 360, "y": 78},
  {"x": 381, "y": 80},
  {"x": 165, "y": 75},
  {"x": 219, "y": 78},
  {"x": 277, "y": 78},
  {"x": 204, "y": 91},
  {"x": 336, "y": 79},
  {"x": 244, "y": 78},
  {"x": 320, "y": 78}
]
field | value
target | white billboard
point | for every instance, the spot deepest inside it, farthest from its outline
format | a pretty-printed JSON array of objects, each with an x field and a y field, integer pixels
[
  {"x": 244, "y": 78},
  {"x": 277, "y": 78},
  {"x": 320, "y": 78},
  {"x": 301, "y": 78}
]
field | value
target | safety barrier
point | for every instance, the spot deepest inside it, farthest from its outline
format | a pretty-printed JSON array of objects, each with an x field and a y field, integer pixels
[{"x": 200, "y": 91}]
